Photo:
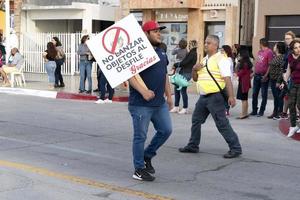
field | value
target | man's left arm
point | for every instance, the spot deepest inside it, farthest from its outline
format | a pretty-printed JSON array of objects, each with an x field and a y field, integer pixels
[
  {"x": 230, "y": 93},
  {"x": 168, "y": 92}
]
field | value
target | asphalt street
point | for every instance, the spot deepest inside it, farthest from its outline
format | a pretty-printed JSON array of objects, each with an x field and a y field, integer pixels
[{"x": 53, "y": 149}]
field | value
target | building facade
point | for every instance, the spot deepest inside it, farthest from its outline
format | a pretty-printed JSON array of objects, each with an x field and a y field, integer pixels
[
  {"x": 67, "y": 16},
  {"x": 194, "y": 19},
  {"x": 273, "y": 18},
  {"x": 13, "y": 6}
]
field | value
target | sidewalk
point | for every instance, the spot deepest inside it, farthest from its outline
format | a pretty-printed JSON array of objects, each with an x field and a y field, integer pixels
[{"x": 37, "y": 85}]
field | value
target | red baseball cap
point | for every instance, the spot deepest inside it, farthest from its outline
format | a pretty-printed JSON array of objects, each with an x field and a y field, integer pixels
[{"x": 152, "y": 25}]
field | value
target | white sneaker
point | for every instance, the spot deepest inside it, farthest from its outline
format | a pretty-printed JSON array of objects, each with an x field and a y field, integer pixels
[
  {"x": 174, "y": 110},
  {"x": 99, "y": 101},
  {"x": 107, "y": 101},
  {"x": 292, "y": 131},
  {"x": 183, "y": 111},
  {"x": 298, "y": 131}
]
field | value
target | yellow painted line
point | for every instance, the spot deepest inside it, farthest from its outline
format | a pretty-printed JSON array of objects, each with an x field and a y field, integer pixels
[{"x": 82, "y": 181}]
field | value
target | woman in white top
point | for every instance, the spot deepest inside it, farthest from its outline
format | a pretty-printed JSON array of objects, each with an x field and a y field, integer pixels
[{"x": 226, "y": 50}]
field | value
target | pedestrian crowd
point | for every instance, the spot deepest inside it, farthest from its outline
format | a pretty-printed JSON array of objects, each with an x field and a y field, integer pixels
[
  {"x": 151, "y": 101},
  {"x": 278, "y": 68}
]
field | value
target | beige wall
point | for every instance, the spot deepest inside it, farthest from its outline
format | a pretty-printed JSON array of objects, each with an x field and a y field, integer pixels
[
  {"x": 199, "y": 12},
  {"x": 2, "y": 22},
  {"x": 265, "y": 8},
  {"x": 195, "y": 28},
  {"x": 153, "y": 4}
]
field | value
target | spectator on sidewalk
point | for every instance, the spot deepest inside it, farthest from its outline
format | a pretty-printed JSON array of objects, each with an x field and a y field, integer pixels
[
  {"x": 50, "y": 64},
  {"x": 104, "y": 86},
  {"x": 184, "y": 68},
  {"x": 13, "y": 65},
  {"x": 276, "y": 72},
  {"x": 180, "y": 51},
  {"x": 236, "y": 53},
  {"x": 261, "y": 78},
  {"x": 85, "y": 65},
  {"x": 59, "y": 60},
  {"x": 288, "y": 38},
  {"x": 293, "y": 72},
  {"x": 211, "y": 100},
  {"x": 149, "y": 105},
  {"x": 244, "y": 71},
  {"x": 2, "y": 49},
  {"x": 227, "y": 51}
]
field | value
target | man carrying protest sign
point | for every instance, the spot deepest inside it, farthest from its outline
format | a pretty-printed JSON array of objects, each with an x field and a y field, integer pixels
[{"x": 147, "y": 103}]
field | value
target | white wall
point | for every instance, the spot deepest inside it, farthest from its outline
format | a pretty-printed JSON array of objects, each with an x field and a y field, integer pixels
[
  {"x": 32, "y": 16},
  {"x": 232, "y": 2}
]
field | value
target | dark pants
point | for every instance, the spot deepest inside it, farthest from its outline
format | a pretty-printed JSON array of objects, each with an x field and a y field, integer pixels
[
  {"x": 294, "y": 100},
  {"x": 58, "y": 76},
  {"x": 98, "y": 76},
  {"x": 278, "y": 100},
  {"x": 257, "y": 85},
  {"x": 104, "y": 85},
  {"x": 214, "y": 105},
  {"x": 184, "y": 96}
]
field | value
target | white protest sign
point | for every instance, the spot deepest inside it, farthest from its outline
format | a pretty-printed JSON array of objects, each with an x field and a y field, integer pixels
[{"x": 122, "y": 50}]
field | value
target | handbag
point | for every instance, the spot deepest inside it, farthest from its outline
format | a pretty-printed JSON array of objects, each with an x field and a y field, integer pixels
[
  {"x": 179, "y": 80},
  {"x": 222, "y": 91}
]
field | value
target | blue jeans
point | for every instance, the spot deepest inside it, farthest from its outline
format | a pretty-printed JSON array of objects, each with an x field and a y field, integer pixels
[
  {"x": 85, "y": 67},
  {"x": 278, "y": 100},
  {"x": 257, "y": 84},
  {"x": 141, "y": 117},
  {"x": 184, "y": 96},
  {"x": 50, "y": 69},
  {"x": 214, "y": 105}
]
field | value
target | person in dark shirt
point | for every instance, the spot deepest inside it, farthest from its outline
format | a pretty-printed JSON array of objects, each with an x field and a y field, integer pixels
[
  {"x": 276, "y": 72},
  {"x": 50, "y": 64},
  {"x": 148, "y": 104},
  {"x": 288, "y": 38},
  {"x": 184, "y": 67},
  {"x": 244, "y": 70},
  {"x": 293, "y": 72}
]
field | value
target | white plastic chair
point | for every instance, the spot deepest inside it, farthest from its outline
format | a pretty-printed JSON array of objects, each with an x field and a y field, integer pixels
[{"x": 17, "y": 77}]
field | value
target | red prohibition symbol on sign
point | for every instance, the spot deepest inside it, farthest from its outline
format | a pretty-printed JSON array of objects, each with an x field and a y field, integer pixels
[{"x": 118, "y": 32}]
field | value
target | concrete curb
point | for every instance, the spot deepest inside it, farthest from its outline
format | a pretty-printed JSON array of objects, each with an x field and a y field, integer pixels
[{"x": 56, "y": 95}]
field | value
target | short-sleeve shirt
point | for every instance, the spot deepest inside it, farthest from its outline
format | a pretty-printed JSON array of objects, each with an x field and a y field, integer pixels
[
  {"x": 155, "y": 79},
  {"x": 295, "y": 68},
  {"x": 224, "y": 67},
  {"x": 263, "y": 59}
]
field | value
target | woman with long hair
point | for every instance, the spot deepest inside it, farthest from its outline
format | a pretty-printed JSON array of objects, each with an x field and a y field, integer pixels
[
  {"x": 293, "y": 72},
  {"x": 227, "y": 51},
  {"x": 85, "y": 65},
  {"x": 244, "y": 70},
  {"x": 185, "y": 69},
  {"x": 276, "y": 67},
  {"x": 50, "y": 65},
  {"x": 60, "y": 59}
]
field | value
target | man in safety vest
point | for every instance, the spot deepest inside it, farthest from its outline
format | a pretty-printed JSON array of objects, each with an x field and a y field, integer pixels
[{"x": 212, "y": 75}]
